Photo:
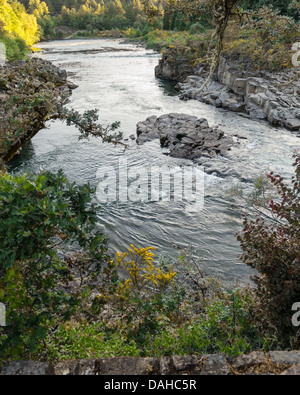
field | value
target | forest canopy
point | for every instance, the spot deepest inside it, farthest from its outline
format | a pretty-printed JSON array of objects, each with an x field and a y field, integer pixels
[{"x": 16, "y": 22}]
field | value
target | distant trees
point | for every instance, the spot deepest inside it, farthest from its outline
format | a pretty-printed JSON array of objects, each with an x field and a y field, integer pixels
[
  {"x": 288, "y": 7},
  {"x": 37, "y": 8},
  {"x": 15, "y": 22},
  {"x": 99, "y": 14}
]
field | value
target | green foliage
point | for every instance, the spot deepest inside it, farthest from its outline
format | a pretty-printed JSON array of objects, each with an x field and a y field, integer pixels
[
  {"x": 166, "y": 313},
  {"x": 261, "y": 40},
  {"x": 273, "y": 249},
  {"x": 99, "y": 15},
  {"x": 145, "y": 298},
  {"x": 15, "y": 22},
  {"x": 88, "y": 125},
  {"x": 16, "y": 48},
  {"x": 88, "y": 340},
  {"x": 40, "y": 10},
  {"x": 287, "y": 7},
  {"x": 31, "y": 98},
  {"x": 226, "y": 327},
  {"x": 40, "y": 215}
]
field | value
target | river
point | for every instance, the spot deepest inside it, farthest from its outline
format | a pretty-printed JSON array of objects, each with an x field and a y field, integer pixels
[{"x": 118, "y": 79}]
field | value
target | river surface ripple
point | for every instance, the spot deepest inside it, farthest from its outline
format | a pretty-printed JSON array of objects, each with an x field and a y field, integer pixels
[{"x": 118, "y": 79}]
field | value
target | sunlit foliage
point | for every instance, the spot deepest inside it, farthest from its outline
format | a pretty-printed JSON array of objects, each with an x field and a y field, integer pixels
[{"x": 15, "y": 22}]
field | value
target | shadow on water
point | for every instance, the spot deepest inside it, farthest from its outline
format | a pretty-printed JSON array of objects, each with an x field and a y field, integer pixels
[
  {"x": 27, "y": 153},
  {"x": 168, "y": 86}
]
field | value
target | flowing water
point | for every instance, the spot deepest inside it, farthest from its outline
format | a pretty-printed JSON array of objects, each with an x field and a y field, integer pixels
[{"x": 118, "y": 79}]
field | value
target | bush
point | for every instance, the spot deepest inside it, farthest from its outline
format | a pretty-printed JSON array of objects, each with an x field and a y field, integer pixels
[
  {"x": 16, "y": 48},
  {"x": 146, "y": 298},
  {"x": 273, "y": 249},
  {"x": 197, "y": 28},
  {"x": 88, "y": 340},
  {"x": 226, "y": 327},
  {"x": 40, "y": 216}
]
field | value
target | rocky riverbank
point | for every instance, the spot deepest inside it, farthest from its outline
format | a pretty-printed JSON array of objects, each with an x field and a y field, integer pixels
[
  {"x": 31, "y": 92},
  {"x": 256, "y": 363},
  {"x": 261, "y": 95}
]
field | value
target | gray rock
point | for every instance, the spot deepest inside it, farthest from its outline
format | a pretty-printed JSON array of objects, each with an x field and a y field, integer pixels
[
  {"x": 66, "y": 368},
  {"x": 185, "y": 362},
  {"x": 86, "y": 367},
  {"x": 27, "y": 368},
  {"x": 255, "y": 363},
  {"x": 186, "y": 136},
  {"x": 285, "y": 357},
  {"x": 126, "y": 366},
  {"x": 293, "y": 124},
  {"x": 239, "y": 86},
  {"x": 261, "y": 97},
  {"x": 244, "y": 362},
  {"x": 165, "y": 365},
  {"x": 215, "y": 365},
  {"x": 293, "y": 371}
]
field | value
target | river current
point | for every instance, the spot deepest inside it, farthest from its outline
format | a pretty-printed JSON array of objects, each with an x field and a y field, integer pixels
[{"x": 118, "y": 79}]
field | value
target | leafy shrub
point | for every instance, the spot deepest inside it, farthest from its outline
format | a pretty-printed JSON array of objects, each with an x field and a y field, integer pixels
[
  {"x": 197, "y": 28},
  {"x": 16, "y": 48},
  {"x": 40, "y": 216},
  {"x": 262, "y": 41},
  {"x": 145, "y": 299},
  {"x": 273, "y": 249},
  {"x": 87, "y": 340},
  {"x": 226, "y": 327}
]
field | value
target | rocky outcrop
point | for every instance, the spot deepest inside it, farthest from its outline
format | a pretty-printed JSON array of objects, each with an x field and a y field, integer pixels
[
  {"x": 30, "y": 94},
  {"x": 262, "y": 95},
  {"x": 174, "y": 66},
  {"x": 186, "y": 136},
  {"x": 255, "y": 363}
]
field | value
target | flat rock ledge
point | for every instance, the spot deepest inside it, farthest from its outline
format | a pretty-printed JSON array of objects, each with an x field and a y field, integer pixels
[
  {"x": 263, "y": 96},
  {"x": 256, "y": 363},
  {"x": 186, "y": 136}
]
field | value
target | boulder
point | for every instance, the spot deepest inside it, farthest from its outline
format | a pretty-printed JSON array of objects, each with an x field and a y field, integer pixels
[
  {"x": 186, "y": 136},
  {"x": 27, "y": 368}
]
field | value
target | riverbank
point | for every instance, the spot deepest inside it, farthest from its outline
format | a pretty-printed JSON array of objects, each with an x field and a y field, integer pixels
[
  {"x": 262, "y": 95},
  {"x": 31, "y": 91},
  {"x": 67, "y": 33}
]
